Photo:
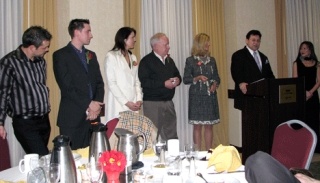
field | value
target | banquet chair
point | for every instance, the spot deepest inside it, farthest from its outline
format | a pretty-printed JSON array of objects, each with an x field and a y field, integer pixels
[
  {"x": 111, "y": 125},
  {"x": 4, "y": 155},
  {"x": 294, "y": 144},
  {"x": 135, "y": 123}
]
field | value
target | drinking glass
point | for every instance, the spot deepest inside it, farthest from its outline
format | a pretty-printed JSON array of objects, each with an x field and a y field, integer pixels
[
  {"x": 95, "y": 172},
  {"x": 34, "y": 162},
  {"x": 191, "y": 150},
  {"x": 159, "y": 145},
  {"x": 54, "y": 172}
]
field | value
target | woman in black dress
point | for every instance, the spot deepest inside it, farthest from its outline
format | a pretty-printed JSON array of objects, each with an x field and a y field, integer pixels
[
  {"x": 306, "y": 65},
  {"x": 201, "y": 74}
]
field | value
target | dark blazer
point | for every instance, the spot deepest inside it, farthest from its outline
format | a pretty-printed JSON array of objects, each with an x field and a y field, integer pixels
[
  {"x": 245, "y": 69},
  {"x": 73, "y": 80}
]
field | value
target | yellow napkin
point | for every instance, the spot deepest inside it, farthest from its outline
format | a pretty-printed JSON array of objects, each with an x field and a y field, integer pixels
[
  {"x": 225, "y": 158},
  {"x": 84, "y": 152},
  {"x": 149, "y": 153},
  {"x": 3, "y": 181}
]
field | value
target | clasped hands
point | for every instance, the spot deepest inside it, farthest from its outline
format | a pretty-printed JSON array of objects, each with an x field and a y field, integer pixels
[
  {"x": 134, "y": 106},
  {"x": 172, "y": 82},
  {"x": 204, "y": 79},
  {"x": 94, "y": 110}
]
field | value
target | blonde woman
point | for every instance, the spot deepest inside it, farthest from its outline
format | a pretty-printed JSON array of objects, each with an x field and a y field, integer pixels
[{"x": 201, "y": 74}]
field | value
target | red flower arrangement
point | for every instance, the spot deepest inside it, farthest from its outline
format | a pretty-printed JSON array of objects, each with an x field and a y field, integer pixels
[
  {"x": 199, "y": 63},
  {"x": 89, "y": 56},
  {"x": 113, "y": 161}
]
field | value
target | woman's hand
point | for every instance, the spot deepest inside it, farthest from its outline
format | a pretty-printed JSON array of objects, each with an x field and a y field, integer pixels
[
  {"x": 213, "y": 87},
  {"x": 201, "y": 78},
  {"x": 3, "y": 132},
  {"x": 133, "y": 106},
  {"x": 308, "y": 95}
]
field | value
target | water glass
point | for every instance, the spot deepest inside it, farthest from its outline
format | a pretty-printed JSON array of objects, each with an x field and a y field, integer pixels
[
  {"x": 94, "y": 172},
  {"x": 37, "y": 175},
  {"x": 191, "y": 150}
]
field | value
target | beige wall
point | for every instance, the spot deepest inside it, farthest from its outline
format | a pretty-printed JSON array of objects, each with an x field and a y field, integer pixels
[
  {"x": 106, "y": 17},
  {"x": 242, "y": 16}
]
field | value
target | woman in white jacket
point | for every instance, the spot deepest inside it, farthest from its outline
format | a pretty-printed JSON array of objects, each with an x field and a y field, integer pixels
[{"x": 121, "y": 68}]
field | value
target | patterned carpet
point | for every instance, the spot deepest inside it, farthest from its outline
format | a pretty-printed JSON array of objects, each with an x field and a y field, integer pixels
[{"x": 315, "y": 169}]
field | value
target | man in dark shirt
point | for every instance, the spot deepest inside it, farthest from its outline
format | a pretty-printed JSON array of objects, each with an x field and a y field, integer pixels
[
  {"x": 23, "y": 91},
  {"x": 159, "y": 77}
]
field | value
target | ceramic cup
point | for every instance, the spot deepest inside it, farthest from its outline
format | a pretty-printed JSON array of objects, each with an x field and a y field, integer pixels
[
  {"x": 173, "y": 147},
  {"x": 27, "y": 162}
]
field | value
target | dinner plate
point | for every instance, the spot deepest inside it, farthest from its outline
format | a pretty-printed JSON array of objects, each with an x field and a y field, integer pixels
[
  {"x": 226, "y": 179},
  {"x": 230, "y": 180}
]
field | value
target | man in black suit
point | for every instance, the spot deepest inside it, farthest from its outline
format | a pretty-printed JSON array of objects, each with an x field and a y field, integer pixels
[
  {"x": 245, "y": 68},
  {"x": 78, "y": 75}
]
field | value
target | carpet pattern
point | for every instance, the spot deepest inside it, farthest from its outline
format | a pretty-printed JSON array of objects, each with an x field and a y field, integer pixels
[{"x": 315, "y": 169}]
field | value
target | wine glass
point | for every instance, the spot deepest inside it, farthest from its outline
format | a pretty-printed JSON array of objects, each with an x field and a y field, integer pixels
[
  {"x": 159, "y": 145},
  {"x": 95, "y": 172},
  {"x": 54, "y": 172},
  {"x": 191, "y": 150}
]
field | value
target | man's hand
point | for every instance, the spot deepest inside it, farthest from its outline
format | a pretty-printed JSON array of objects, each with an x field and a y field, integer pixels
[
  {"x": 94, "y": 110},
  {"x": 243, "y": 87},
  {"x": 3, "y": 132},
  {"x": 172, "y": 83}
]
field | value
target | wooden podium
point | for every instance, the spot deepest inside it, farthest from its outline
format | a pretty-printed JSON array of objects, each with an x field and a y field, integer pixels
[{"x": 268, "y": 103}]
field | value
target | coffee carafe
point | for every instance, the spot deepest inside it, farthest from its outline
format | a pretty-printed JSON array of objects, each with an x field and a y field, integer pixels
[
  {"x": 99, "y": 141},
  {"x": 129, "y": 145},
  {"x": 62, "y": 154}
]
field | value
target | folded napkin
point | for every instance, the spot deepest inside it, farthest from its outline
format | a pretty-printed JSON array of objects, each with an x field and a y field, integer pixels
[
  {"x": 84, "y": 152},
  {"x": 148, "y": 153},
  {"x": 20, "y": 181},
  {"x": 225, "y": 158}
]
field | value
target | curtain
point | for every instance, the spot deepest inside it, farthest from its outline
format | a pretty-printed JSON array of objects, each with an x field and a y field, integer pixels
[
  {"x": 174, "y": 18},
  {"x": 282, "y": 57},
  {"x": 303, "y": 24},
  {"x": 208, "y": 17},
  {"x": 10, "y": 39},
  {"x": 132, "y": 10}
]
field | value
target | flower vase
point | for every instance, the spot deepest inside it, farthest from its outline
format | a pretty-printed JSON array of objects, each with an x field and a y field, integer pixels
[{"x": 113, "y": 177}]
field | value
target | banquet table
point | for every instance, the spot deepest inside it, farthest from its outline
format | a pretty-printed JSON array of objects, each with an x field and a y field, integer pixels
[{"x": 14, "y": 175}]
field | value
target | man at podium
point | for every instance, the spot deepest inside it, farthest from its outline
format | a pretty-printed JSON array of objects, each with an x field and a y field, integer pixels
[{"x": 249, "y": 65}]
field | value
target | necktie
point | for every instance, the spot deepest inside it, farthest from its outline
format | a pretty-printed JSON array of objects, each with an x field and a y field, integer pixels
[{"x": 257, "y": 60}]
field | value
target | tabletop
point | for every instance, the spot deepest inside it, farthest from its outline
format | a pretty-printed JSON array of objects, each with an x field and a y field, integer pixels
[{"x": 14, "y": 175}]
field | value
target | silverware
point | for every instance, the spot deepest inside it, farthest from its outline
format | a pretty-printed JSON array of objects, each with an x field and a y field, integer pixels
[
  {"x": 200, "y": 175},
  {"x": 227, "y": 172}
]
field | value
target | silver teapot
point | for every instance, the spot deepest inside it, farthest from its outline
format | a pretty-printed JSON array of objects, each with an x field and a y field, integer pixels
[
  {"x": 62, "y": 154},
  {"x": 129, "y": 145}
]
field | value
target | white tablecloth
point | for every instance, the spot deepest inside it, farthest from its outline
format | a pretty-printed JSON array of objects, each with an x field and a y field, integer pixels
[{"x": 13, "y": 174}]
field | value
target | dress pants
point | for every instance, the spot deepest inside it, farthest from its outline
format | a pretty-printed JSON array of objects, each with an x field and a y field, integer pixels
[
  {"x": 33, "y": 134},
  {"x": 163, "y": 116}
]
